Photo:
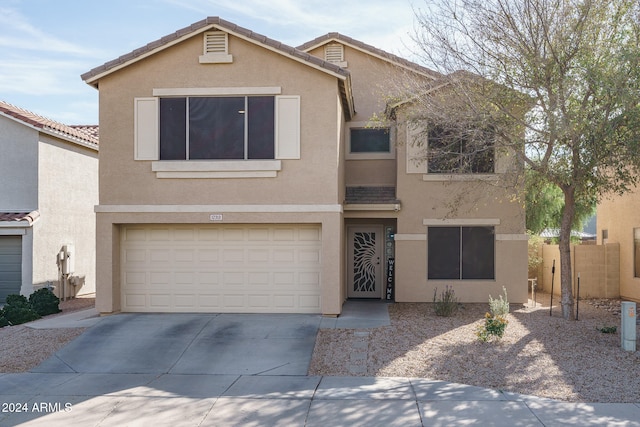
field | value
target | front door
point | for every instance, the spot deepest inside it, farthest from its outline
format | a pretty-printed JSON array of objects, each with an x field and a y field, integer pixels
[{"x": 365, "y": 261}]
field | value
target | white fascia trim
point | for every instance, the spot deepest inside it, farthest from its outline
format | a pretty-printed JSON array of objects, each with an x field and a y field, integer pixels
[
  {"x": 160, "y": 48},
  {"x": 410, "y": 237},
  {"x": 395, "y": 207},
  {"x": 512, "y": 237},
  {"x": 461, "y": 221},
  {"x": 271, "y": 48},
  {"x": 50, "y": 132},
  {"x": 214, "y": 91},
  {"x": 216, "y": 169},
  {"x": 218, "y": 208},
  {"x": 14, "y": 229},
  {"x": 368, "y": 52}
]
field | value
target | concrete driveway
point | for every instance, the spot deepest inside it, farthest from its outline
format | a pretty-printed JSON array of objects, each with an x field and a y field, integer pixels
[{"x": 236, "y": 344}]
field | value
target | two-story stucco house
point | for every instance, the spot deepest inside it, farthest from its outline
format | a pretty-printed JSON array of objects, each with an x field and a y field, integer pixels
[
  {"x": 49, "y": 176},
  {"x": 239, "y": 174}
]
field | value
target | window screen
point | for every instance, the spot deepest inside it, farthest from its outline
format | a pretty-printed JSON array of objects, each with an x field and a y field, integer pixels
[
  {"x": 217, "y": 128},
  {"x": 461, "y": 253},
  {"x": 364, "y": 140}
]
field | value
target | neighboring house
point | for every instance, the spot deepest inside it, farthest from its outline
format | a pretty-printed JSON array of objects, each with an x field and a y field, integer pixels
[
  {"x": 49, "y": 175},
  {"x": 238, "y": 174},
  {"x": 618, "y": 222}
]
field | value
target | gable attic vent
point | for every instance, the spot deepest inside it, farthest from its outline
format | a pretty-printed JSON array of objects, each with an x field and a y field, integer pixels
[
  {"x": 216, "y": 48},
  {"x": 334, "y": 53}
]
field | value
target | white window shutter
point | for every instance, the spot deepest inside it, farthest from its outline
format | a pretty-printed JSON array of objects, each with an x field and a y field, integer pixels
[
  {"x": 287, "y": 127},
  {"x": 146, "y": 129}
]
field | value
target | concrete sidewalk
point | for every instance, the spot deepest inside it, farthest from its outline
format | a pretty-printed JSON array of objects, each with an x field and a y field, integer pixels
[
  {"x": 64, "y": 400},
  {"x": 249, "y": 370}
]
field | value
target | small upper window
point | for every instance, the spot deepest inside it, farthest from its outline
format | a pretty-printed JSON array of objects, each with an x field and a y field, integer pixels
[
  {"x": 459, "y": 150},
  {"x": 370, "y": 140}
]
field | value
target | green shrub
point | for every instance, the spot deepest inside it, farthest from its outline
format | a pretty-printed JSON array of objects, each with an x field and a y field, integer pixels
[
  {"x": 447, "y": 304},
  {"x": 608, "y": 329},
  {"x": 3, "y": 321},
  {"x": 494, "y": 326},
  {"x": 17, "y": 300},
  {"x": 17, "y": 314},
  {"x": 500, "y": 306},
  {"x": 44, "y": 302}
]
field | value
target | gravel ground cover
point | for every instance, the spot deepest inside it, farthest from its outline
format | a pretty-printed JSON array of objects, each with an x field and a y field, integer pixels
[
  {"x": 23, "y": 348},
  {"x": 539, "y": 355}
]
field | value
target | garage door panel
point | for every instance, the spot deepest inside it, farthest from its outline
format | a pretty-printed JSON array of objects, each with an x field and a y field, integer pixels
[{"x": 221, "y": 268}]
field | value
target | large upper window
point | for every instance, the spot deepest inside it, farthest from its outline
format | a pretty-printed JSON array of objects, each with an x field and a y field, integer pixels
[
  {"x": 217, "y": 128},
  {"x": 459, "y": 151},
  {"x": 460, "y": 253}
]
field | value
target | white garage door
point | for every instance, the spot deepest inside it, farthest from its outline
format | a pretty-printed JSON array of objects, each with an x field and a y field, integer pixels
[{"x": 221, "y": 268}]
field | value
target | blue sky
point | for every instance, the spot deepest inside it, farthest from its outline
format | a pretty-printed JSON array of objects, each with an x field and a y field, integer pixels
[{"x": 45, "y": 45}]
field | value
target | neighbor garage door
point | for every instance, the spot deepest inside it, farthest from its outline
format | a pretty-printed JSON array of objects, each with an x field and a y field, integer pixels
[
  {"x": 221, "y": 268},
  {"x": 10, "y": 266}
]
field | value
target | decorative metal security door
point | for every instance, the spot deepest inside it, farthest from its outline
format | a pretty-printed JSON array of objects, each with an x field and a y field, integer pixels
[{"x": 365, "y": 262}]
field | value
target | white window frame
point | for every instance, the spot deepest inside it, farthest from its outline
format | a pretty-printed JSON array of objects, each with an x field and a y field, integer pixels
[
  {"x": 147, "y": 136},
  {"x": 369, "y": 156}
]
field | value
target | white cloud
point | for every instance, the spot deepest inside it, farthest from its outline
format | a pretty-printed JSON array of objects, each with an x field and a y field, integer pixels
[
  {"x": 17, "y": 33},
  {"x": 382, "y": 23}
]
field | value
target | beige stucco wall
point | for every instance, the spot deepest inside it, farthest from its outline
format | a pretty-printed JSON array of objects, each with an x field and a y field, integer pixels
[
  {"x": 373, "y": 81},
  {"x": 18, "y": 167},
  {"x": 108, "y": 248},
  {"x": 125, "y": 181},
  {"x": 618, "y": 215},
  {"x": 598, "y": 266},
  {"x": 470, "y": 202},
  {"x": 317, "y": 178},
  {"x": 67, "y": 193}
]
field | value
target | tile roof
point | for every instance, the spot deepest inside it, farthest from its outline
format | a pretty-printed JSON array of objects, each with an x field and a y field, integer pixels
[
  {"x": 91, "y": 76},
  {"x": 87, "y": 135},
  {"x": 371, "y": 195},
  {"x": 319, "y": 41},
  {"x": 29, "y": 217}
]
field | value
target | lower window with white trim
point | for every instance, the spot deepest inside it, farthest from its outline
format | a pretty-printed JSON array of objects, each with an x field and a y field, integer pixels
[{"x": 461, "y": 253}]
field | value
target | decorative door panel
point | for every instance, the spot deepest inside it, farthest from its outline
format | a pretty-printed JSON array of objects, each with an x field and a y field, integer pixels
[{"x": 365, "y": 262}]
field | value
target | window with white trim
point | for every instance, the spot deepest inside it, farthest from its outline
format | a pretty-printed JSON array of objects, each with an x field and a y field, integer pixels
[
  {"x": 461, "y": 253},
  {"x": 217, "y": 128},
  {"x": 460, "y": 150},
  {"x": 370, "y": 140}
]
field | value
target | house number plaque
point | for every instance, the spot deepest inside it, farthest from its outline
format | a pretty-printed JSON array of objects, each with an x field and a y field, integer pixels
[{"x": 215, "y": 217}]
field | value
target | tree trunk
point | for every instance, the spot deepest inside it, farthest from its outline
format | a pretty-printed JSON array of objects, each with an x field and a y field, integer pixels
[{"x": 566, "y": 287}]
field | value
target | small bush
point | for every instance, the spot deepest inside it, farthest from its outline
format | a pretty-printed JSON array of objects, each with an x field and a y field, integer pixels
[
  {"x": 17, "y": 300},
  {"x": 447, "y": 304},
  {"x": 608, "y": 329},
  {"x": 500, "y": 306},
  {"x": 44, "y": 302},
  {"x": 494, "y": 326},
  {"x": 17, "y": 314},
  {"x": 3, "y": 321}
]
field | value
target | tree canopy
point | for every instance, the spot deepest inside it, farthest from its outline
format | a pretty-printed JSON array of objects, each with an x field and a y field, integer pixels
[{"x": 558, "y": 82}]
